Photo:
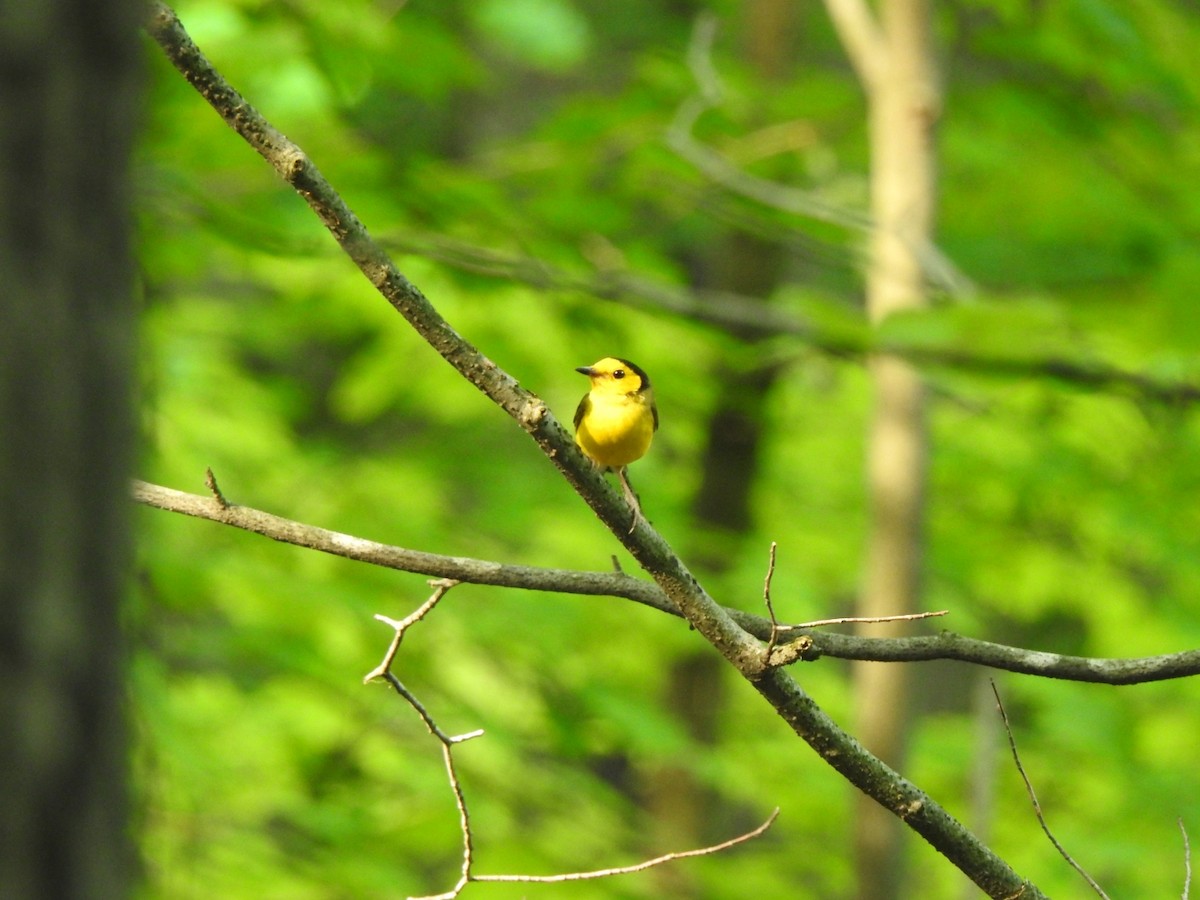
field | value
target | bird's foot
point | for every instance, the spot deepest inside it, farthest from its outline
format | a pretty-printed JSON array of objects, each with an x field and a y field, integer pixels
[{"x": 632, "y": 499}]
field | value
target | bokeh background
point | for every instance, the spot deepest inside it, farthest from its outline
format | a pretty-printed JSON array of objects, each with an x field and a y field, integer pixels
[{"x": 512, "y": 154}]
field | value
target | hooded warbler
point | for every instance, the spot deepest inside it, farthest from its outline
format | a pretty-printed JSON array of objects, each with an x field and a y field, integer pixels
[{"x": 616, "y": 419}]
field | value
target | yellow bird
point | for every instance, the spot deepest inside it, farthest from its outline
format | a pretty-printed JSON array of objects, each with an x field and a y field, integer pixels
[{"x": 616, "y": 419}]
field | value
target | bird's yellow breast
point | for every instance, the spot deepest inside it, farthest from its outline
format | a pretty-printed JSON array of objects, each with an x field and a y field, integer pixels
[{"x": 615, "y": 429}]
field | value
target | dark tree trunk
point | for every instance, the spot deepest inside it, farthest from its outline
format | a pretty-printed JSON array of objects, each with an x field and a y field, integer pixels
[{"x": 68, "y": 105}]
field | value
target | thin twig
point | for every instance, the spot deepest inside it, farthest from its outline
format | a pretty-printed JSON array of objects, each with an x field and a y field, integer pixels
[
  {"x": 775, "y": 626},
  {"x": 419, "y": 708},
  {"x": 865, "y": 620},
  {"x": 803, "y": 646},
  {"x": 636, "y": 867},
  {"x": 441, "y": 586},
  {"x": 460, "y": 799},
  {"x": 464, "y": 824},
  {"x": 1037, "y": 807},
  {"x": 1187, "y": 860},
  {"x": 384, "y": 670}
]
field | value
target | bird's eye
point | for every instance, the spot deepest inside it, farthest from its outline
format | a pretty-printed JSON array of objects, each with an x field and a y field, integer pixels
[{"x": 619, "y": 373}]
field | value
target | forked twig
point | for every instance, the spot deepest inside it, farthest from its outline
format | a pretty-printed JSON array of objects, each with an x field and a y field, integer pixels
[
  {"x": 384, "y": 671},
  {"x": 466, "y": 876},
  {"x": 793, "y": 650},
  {"x": 1037, "y": 807},
  {"x": 441, "y": 586}
]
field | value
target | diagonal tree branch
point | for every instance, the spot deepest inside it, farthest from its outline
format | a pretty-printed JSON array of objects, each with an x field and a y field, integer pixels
[
  {"x": 920, "y": 812},
  {"x": 529, "y": 411},
  {"x": 747, "y": 315}
]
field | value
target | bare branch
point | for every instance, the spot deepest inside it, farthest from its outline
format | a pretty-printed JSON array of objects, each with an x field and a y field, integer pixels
[
  {"x": 947, "y": 645},
  {"x": 866, "y": 620},
  {"x": 806, "y": 647},
  {"x": 1037, "y": 807},
  {"x": 471, "y": 571},
  {"x": 384, "y": 670},
  {"x": 637, "y": 867}
]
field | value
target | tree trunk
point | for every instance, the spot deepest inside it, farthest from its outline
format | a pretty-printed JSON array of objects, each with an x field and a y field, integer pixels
[
  {"x": 903, "y": 106},
  {"x": 68, "y": 105}
]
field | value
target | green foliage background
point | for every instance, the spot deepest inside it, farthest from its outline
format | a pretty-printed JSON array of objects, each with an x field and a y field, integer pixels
[{"x": 1060, "y": 518}]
